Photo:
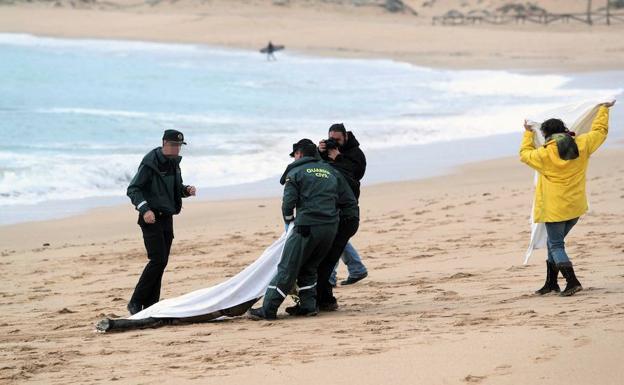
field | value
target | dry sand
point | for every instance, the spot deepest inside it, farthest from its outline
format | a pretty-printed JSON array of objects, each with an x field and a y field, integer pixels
[
  {"x": 340, "y": 31},
  {"x": 447, "y": 300}
]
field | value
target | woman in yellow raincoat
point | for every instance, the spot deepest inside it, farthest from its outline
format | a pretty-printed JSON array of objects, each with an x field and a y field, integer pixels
[{"x": 560, "y": 197}]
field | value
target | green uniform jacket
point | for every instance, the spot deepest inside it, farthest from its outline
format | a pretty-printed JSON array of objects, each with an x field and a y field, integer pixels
[
  {"x": 151, "y": 190},
  {"x": 317, "y": 191}
]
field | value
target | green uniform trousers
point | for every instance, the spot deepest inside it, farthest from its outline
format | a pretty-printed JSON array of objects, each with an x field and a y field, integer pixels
[{"x": 305, "y": 248}]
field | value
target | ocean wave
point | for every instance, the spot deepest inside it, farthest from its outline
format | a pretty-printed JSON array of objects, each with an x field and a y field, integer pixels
[
  {"x": 175, "y": 117},
  {"x": 31, "y": 179},
  {"x": 77, "y": 125},
  {"x": 222, "y": 160},
  {"x": 119, "y": 46},
  {"x": 491, "y": 83}
]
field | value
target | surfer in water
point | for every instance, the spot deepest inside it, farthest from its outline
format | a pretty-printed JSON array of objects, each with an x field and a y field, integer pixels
[{"x": 270, "y": 50}]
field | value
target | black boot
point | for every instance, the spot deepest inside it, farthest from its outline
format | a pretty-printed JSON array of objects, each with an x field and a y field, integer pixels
[
  {"x": 259, "y": 314},
  {"x": 551, "y": 279},
  {"x": 301, "y": 312},
  {"x": 352, "y": 280},
  {"x": 573, "y": 285},
  {"x": 134, "y": 308},
  {"x": 328, "y": 306}
]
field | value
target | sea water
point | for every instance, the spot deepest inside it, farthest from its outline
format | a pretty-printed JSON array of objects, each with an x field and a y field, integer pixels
[{"x": 77, "y": 116}]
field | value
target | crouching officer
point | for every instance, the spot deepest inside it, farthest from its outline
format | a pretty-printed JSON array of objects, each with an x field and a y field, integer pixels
[
  {"x": 347, "y": 227},
  {"x": 310, "y": 186},
  {"x": 157, "y": 191}
]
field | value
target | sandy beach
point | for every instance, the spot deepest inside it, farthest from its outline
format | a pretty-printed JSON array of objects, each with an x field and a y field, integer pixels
[{"x": 447, "y": 300}]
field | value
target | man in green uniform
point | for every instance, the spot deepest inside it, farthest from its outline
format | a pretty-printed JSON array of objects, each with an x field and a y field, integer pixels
[
  {"x": 347, "y": 227},
  {"x": 311, "y": 187},
  {"x": 157, "y": 191}
]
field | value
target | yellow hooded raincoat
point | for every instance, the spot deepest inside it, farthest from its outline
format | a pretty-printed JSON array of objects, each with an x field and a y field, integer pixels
[{"x": 560, "y": 192}]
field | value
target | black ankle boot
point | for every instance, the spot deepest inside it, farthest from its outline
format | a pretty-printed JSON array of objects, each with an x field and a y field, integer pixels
[
  {"x": 573, "y": 285},
  {"x": 259, "y": 314},
  {"x": 301, "y": 312},
  {"x": 551, "y": 280},
  {"x": 134, "y": 308}
]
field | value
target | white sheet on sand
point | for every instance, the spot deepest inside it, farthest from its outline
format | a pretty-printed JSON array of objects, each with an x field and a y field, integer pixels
[
  {"x": 578, "y": 118},
  {"x": 251, "y": 283}
]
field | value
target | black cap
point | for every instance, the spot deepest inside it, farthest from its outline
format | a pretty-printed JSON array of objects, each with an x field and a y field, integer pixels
[
  {"x": 174, "y": 136},
  {"x": 299, "y": 145},
  {"x": 338, "y": 127}
]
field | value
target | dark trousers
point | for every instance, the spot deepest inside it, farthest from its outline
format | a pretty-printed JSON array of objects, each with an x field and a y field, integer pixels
[
  {"x": 324, "y": 291},
  {"x": 305, "y": 247},
  {"x": 157, "y": 238}
]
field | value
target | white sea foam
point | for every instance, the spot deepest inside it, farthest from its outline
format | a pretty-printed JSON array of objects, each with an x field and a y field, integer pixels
[
  {"x": 113, "y": 46},
  {"x": 76, "y": 125}
]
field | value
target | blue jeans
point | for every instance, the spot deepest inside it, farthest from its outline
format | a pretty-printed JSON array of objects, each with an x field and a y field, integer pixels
[
  {"x": 557, "y": 232},
  {"x": 352, "y": 259}
]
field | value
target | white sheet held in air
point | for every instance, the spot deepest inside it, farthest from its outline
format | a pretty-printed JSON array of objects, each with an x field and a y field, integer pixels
[
  {"x": 578, "y": 118},
  {"x": 251, "y": 283}
]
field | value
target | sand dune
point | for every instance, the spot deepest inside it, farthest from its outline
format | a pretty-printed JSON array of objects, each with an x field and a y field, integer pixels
[{"x": 345, "y": 31}]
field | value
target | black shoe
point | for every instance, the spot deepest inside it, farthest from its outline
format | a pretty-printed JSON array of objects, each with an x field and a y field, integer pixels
[
  {"x": 551, "y": 280},
  {"x": 351, "y": 280},
  {"x": 329, "y": 306},
  {"x": 573, "y": 285},
  {"x": 258, "y": 314},
  {"x": 301, "y": 312},
  {"x": 134, "y": 308}
]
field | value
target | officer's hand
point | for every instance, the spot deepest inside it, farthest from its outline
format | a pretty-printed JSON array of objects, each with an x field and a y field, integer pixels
[
  {"x": 527, "y": 126},
  {"x": 333, "y": 153},
  {"x": 322, "y": 147},
  {"x": 149, "y": 217},
  {"x": 191, "y": 190},
  {"x": 610, "y": 104}
]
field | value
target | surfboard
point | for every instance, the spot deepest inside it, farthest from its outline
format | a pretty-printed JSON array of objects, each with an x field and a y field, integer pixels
[{"x": 275, "y": 48}]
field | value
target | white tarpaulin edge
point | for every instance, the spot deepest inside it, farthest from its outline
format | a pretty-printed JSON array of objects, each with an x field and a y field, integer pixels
[{"x": 249, "y": 284}]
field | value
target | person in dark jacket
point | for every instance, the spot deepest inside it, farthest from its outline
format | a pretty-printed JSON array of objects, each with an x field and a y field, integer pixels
[
  {"x": 347, "y": 227},
  {"x": 156, "y": 191},
  {"x": 316, "y": 191},
  {"x": 342, "y": 151}
]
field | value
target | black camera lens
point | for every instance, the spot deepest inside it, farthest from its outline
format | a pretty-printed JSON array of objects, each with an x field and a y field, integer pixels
[{"x": 331, "y": 143}]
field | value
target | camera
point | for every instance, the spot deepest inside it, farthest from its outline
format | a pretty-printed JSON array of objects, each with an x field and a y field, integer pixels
[{"x": 331, "y": 144}]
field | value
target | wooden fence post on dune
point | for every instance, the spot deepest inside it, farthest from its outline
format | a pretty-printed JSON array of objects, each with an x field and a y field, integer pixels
[{"x": 541, "y": 16}]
